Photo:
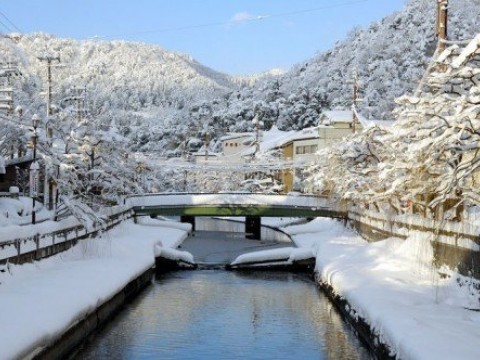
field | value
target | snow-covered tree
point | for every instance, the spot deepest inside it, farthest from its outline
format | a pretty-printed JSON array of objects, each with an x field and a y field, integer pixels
[{"x": 438, "y": 131}]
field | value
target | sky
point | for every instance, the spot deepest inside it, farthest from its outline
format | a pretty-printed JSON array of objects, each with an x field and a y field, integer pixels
[{"x": 238, "y": 37}]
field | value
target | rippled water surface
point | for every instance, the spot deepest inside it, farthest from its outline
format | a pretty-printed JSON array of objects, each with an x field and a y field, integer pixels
[{"x": 226, "y": 315}]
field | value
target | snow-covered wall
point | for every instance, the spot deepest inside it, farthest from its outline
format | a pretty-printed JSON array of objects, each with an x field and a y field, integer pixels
[{"x": 455, "y": 244}]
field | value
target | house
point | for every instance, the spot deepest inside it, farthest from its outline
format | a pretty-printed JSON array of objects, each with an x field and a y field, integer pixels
[
  {"x": 237, "y": 146},
  {"x": 298, "y": 149},
  {"x": 302, "y": 146},
  {"x": 336, "y": 124}
]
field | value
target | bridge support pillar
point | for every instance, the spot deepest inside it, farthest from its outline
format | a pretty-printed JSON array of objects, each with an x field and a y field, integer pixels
[
  {"x": 253, "y": 227},
  {"x": 189, "y": 220}
]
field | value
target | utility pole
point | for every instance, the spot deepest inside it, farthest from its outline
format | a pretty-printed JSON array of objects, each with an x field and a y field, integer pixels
[
  {"x": 8, "y": 70},
  {"x": 207, "y": 144},
  {"x": 442, "y": 24},
  {"x": 354, "y": 102},
  {"x": 256, "y": 122},
  {"x": 49, "y": 59}
]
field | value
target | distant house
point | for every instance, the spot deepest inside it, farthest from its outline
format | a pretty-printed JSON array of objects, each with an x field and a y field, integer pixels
[
  {"x": 300, "y": 148},
  {"x": 336, "y": 124},
  {"x": 237, "y": 146}
]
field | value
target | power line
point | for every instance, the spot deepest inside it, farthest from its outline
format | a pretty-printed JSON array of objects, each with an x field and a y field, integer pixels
[
  {"x": 318, "y": 8},
  {"x": 230, "y": 22},
  {"x": 5, "y": 26},
  {"x": 10, "y": 22}
]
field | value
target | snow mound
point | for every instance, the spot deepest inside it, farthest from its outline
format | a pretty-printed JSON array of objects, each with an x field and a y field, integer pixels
[
  {"x": 172, "y": 254},
  {"x": 288, "y": 254}
]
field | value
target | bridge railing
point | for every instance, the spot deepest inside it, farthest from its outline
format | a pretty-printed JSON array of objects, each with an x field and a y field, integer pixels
[{"x": 237, "y": 199}]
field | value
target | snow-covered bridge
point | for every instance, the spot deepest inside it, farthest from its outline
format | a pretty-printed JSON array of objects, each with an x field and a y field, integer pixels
[{"x": 234, "y": 204}]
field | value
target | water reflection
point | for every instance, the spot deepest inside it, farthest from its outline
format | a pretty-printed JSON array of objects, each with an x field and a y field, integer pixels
[{"x": 225, "y": 315}]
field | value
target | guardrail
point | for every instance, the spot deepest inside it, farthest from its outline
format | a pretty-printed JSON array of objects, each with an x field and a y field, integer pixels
[{"x": 41, "y": 245}]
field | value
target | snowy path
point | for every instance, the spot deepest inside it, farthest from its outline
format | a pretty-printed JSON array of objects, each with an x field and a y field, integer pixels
[
  {"x": 39, "y": 301},
  {"x": 392, "y": 285}
]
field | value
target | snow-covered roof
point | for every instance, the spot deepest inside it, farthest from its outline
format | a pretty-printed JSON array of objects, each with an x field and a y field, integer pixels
[
  {"x": 273, "y": 137},
  {"x": 305, "y": 134},
  {"x": 340, "y": 116},
  {"x": 232, "y": 136}
]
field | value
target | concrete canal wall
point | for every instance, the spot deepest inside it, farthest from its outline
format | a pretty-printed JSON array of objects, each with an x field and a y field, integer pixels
[
  {"x": 367, "y": 335},
  {"x": 79, "y": 331},
  {"x": 455, "y": 244}
]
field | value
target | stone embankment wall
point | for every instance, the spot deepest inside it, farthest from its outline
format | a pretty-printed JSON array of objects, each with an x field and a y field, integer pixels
[{"x": 455, "y": 244}]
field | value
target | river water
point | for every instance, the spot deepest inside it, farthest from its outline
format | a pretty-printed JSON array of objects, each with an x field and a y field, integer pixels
[{"x": 216, "y": 314}]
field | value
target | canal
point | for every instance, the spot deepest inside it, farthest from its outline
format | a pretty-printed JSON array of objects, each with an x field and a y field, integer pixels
[{"x": 217, "y": 314}]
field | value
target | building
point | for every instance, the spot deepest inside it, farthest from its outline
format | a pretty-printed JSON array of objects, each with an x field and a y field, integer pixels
[
  {"x": 237, "y": 146},
  {"x": 298, "y": 149},
  {"x": 337, "y": 124}
]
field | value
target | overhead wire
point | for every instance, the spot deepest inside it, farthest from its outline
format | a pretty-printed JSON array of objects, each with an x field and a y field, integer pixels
[
  {"x": 10, "y": 21},
  {"x": 230, "y": 22},
  {"x": 6, "y": 27}
]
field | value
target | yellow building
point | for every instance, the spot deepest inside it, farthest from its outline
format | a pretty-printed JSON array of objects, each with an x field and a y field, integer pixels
[
  {"x": 337, "y": 124},
  {"x": 301, "y": 147}
]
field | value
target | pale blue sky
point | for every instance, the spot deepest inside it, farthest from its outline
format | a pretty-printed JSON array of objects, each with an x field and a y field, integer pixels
[{"x": 233, "y": 36}]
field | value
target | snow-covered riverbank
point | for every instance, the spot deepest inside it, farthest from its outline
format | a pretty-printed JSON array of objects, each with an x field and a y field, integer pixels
[
  {"x": 394, "y": 287},
  {"x": 40, "y": 301}
]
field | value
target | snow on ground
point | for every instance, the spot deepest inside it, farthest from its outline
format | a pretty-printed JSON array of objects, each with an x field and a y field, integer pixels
[
  {"x": 392, "y": 284},
  {"x": 166, "y": 223},
  {"x": 18, "y": 211},
  {"x": 40, "y": 300},
  {"x": 279, "y": 222}
]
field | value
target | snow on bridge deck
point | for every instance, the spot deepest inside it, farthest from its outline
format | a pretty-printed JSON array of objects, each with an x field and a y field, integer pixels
[{"x": 233, "y": 204}]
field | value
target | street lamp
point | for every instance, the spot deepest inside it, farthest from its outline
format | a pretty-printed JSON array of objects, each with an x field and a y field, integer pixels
[{"x": 34, "y": 166}]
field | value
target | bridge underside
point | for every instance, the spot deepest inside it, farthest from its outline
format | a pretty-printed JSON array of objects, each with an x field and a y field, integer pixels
[{"x": 237, "y": 211}]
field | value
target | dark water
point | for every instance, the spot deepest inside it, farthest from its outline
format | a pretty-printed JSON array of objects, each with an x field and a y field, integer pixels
[{"x": 226, "y": 315}]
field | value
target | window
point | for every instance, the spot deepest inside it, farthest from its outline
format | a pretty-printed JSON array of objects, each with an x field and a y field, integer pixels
[{"x": 306, "y": 149}]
